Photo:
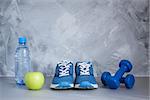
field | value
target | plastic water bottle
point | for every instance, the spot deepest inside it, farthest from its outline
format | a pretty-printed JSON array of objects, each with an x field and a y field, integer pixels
[{"x": 22, "y": 61}]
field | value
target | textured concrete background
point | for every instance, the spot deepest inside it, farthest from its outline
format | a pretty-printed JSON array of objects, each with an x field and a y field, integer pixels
[{"x": 102, "y": 31}]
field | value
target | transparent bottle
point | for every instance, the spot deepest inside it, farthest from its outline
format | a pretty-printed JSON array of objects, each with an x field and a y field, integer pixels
[{"x": 22, "y": 61}]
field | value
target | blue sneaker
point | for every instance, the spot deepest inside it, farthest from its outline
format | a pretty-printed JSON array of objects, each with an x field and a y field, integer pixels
[
  {"x": 84, "y": 76},
  {"x": 63, "y": 78}
]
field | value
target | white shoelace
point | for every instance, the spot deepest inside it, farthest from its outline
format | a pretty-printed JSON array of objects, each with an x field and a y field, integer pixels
[
  {"x": 64, "y": 69},
  {"x": 84, "y": 68}
]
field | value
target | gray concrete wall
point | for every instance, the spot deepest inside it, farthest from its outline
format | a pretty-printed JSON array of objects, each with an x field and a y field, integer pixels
[{"x": 102, "y": 31}]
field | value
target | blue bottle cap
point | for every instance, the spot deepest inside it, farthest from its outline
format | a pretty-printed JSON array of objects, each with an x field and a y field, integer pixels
[{"x": 22, "y": 40}]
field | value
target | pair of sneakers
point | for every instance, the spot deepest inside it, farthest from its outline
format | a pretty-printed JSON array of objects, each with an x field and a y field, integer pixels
[{"x": 63, "y": 78}]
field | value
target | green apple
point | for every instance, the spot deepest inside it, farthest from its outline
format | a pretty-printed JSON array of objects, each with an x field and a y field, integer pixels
[{"x": 34, "y": 80}]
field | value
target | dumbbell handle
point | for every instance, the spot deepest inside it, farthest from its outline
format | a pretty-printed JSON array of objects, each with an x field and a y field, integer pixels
[
  {"x": 122, "y": 79},
  {"x": 120, "y": 73}
]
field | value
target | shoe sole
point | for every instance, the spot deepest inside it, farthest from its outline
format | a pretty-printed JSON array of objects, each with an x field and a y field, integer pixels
[
  {"x": 93, "y": 86},
  {"x": 56, "y": 86}
]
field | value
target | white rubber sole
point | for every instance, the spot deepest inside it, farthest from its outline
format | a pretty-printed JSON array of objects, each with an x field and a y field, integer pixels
[
  {"x": 56, "y": 86},
  {"x": 94, "y": 86}
]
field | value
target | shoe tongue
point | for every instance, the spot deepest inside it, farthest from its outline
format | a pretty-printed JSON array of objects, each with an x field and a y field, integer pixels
[
  {"x": 63, "y": 64},
  {"x": 78, "y": 68}
]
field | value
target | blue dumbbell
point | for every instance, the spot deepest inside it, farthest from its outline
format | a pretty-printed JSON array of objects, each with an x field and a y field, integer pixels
[
  {"x": 113, "y": 82},
  {"x": 129, "y": 81}
]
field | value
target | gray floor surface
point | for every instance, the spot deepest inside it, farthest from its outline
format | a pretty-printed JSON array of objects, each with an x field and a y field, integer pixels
[{"x": 9, "y": 91}]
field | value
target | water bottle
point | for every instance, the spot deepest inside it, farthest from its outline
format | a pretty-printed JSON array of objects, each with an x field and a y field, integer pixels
[{"x": 22, "y": 61}]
